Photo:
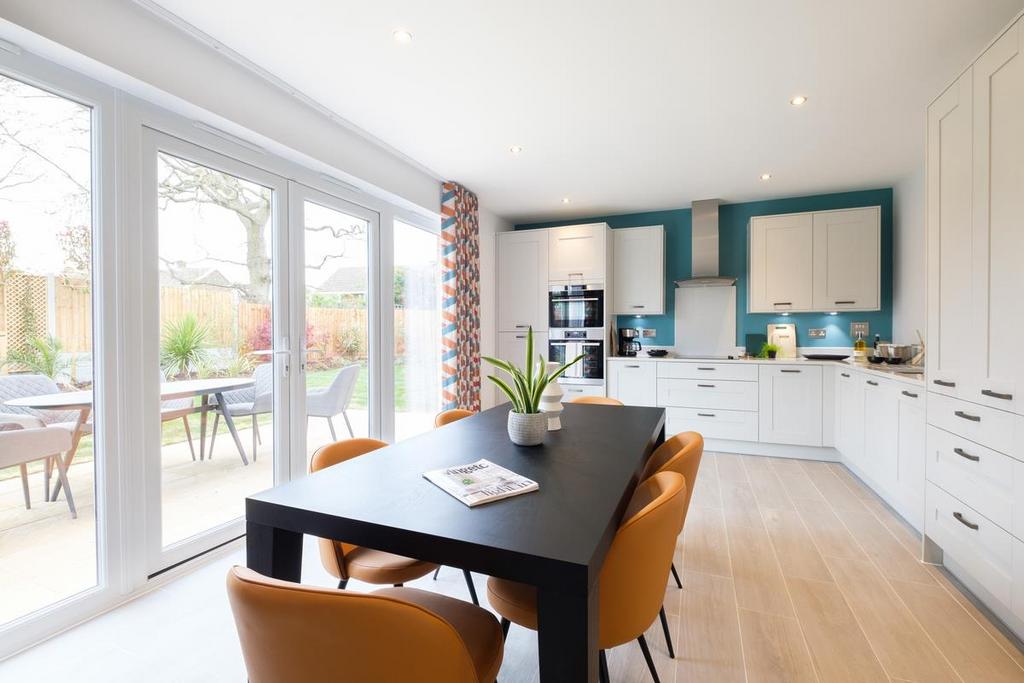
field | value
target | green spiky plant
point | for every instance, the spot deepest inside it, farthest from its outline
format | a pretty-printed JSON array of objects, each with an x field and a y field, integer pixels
[
  {"x": 183, "y": 347},
  {"x": 529, "y": 383}
]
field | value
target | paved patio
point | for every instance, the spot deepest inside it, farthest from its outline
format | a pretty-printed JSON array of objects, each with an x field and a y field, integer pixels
[{"x": 45, "y": 556}]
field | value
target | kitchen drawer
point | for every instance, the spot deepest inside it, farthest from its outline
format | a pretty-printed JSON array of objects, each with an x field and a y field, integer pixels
[
  {"x": 574, "y": 390},
  {"x": 712, "y": 424},
  {"x": 988, "y": 481},
  {"x": 996, "y": 429},
  {"x": 707, "y": 393},
  {"x": 742, "y": 372},
  {"x": 972, "y": 541}
]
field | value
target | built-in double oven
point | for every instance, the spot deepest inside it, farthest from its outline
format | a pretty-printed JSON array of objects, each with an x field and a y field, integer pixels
[{"x": 576, "y": 327}]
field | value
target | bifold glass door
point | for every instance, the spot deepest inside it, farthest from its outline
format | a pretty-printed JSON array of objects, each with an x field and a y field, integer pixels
[{"x": 218, "y": 346}]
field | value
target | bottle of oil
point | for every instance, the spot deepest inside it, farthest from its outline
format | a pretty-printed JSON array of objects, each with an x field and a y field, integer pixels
[{"x": 860, "y": 349}]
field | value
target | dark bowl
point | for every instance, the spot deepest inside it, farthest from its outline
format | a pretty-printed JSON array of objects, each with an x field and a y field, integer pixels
[
  {"x": 893, "y": 361},
  {"x": 657, "y": 353},
  {"x": 876, "y": 360}
]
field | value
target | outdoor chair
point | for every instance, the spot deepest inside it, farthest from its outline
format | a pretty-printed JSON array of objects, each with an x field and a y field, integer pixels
[
  {"x": 252, "y": 401},
  {"x": 334, "y": 399},
  {"x": 23, "y": 440},
  {"x": 178, "y": 408}
]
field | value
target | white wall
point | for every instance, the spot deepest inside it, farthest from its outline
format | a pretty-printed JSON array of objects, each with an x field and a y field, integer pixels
[
  {"x": 490, "y": 225},
  {"x": 910, "y": 303},
  {"x": 123, "y": 44}
]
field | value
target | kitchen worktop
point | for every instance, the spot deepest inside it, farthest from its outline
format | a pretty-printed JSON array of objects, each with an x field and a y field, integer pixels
[{"x": 893, "y": 371}]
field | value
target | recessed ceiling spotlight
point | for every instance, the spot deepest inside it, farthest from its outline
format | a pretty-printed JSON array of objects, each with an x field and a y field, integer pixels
[
  {"x": 565, "y": 200},
  {"x": 766, "y": 176},
  {"x": 798, "y": 100},
  {"x": 402, "y": 36},
  {"x": 516, "y": 149}
]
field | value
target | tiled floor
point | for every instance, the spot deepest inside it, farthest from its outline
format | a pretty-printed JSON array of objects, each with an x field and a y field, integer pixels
[{"x": 792, "y": 571}]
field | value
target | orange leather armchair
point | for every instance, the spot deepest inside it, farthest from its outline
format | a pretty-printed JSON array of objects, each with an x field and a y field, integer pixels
[
  {"x": 291, "y": 632},
  {"x": 449, "y": 416},
  {"x": 598, "y": 400},
  {"x": 632, "y": 580}
]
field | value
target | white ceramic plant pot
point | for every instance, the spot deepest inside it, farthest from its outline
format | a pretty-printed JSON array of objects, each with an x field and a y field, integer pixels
[{"x": 527, "y": 429}]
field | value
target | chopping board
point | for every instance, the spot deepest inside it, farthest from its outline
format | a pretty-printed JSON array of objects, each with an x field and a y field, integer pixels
[{"x": 783, "y": 335}]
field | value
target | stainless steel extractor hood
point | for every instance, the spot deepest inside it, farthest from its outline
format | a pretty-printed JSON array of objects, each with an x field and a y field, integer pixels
[{"x": 704, "y": 247}]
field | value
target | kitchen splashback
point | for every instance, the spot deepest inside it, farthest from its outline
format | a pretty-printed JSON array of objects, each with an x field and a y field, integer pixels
[{"x": 733, "y": 221}]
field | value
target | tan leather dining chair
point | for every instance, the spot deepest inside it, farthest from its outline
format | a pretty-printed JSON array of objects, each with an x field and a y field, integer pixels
[
  {"x": 681, "y": 454},
  {"x": 290, "y": 632},
  {"x": 346, "y": 561},
  {"x": 449, "y": 416},
  {"x": 632, "y": 579},
  {"x": 598, "y": 401}
]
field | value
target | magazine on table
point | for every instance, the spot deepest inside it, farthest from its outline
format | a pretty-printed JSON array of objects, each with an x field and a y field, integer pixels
[{"x": 480, "y": 482}]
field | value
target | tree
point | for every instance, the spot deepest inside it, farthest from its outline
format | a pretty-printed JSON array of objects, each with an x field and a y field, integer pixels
[
  {"x": 7, "y": 251},
  {"x": 76, "y": 244}
]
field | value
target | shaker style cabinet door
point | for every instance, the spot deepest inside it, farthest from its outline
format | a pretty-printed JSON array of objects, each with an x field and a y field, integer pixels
[
  {"x": 577, "y": 252},
  {"x": 781, "y": 263},
  {"x": 639, "y": 270},
  {"x": 998, "y": 275},
  {"x": 635, "y": 383},
  {"x": 953, "y": 347},
  {"x": 790, "y": 405},
  {"x": 522, "y": 280},
  {"x": 846, "y": 259}
]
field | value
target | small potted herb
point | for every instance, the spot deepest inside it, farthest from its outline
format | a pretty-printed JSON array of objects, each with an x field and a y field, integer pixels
[{"x": 768, "y": 351}]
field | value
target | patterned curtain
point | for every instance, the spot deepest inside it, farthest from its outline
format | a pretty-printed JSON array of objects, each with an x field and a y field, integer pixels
[{"x": 460, "y": 304}]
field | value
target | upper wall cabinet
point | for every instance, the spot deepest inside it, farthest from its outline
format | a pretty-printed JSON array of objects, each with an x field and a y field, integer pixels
[
  {"x": 847, "y": 260},
  {"x": 578, "y": 252},
  {"x": 781, "y": 263},
  {"x": 819, "y": 261},
  {"x": 639, "y": 270},
  {"x": 522, "y": 280}
]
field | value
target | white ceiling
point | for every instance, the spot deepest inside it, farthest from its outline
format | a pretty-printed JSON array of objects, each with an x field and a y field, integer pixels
[{"x": 624, "y": 106}]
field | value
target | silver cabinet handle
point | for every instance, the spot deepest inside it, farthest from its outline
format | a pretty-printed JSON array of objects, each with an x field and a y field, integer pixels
[
  {"x": 784, "y": 370},
  {"x": 576, "y": 274},
  {"x": 996, "y": 394},
  {"x": 705, "y": 414},
  {"x": 964, "y": 454},
  {"x": 520, "y": 327},
  {"x": 523, "y": 336},
  {"x": 783, "y": 303},
  {"x": 960, "y": 518},
  {"x": 705, "y": 368},
  {"x": 576, "y": 391},
  {"x": 845, "y": 374},
  {"x": 872, "y": 382},
  {"x": 842, "y": 303},
  {"x": 637, "y": 367},
  {"x": 943, "y": 383},
  {"x": 967, "y": 416},
  {"x": 908, "y": 394},
  {"x": 639, "y": 306},
  {"x": 706, "y": 386}
]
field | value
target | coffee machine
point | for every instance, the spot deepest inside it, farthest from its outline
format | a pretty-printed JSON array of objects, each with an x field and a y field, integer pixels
[{"x": 629, "y": 341}]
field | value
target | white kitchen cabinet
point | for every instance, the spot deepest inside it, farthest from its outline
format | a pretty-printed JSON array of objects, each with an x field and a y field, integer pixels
[
  {"x": 522, "y": 290},
  {"x": 512, "y": 347},
  {"x": 910, "y": 454},
  {"x": 790, "y": 404},
  {"x": 847, "y": 258},
  {"x": 635, "y": 383},
  {"x": 881, "y": 433},
  {"x": 850, "y": 417},
  {"x": 781, "y": 271},
  {"x": 998, "y": 234},
  {"x": 639, "y": 270},
  {"x": 953, "y": 343},
  {"x": 578, "y": 252}
]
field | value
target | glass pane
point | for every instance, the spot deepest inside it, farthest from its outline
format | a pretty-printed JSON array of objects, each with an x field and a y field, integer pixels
[
  {"x": 417, "y": 330},
  {"x": 216, "y": 345},
  {"x": 46, "y": 345},
  {"x": 337, "y": 327}
]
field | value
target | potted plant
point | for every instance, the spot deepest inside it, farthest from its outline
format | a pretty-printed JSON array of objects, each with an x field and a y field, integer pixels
[
  {"x": 768, "y": 351},
  {"x": 526, "y": 423}
]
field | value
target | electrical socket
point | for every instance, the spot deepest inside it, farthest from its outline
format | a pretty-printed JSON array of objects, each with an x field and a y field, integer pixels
[
  {"x": 862, "y": 329},
  {"x": 816, "y": 333},
  {"x": 647, "y": 332}
]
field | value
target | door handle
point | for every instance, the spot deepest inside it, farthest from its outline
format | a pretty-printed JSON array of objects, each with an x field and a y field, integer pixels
[
  {"x": 964, "y": 454},
  {"x": 845, "y": 374},
  {"x": 872, "y": 382},
  {"x": 908, "y": 394},
  {"x": 705, "y": 368},
  {"x": 520, "y": 327},
  {"x": 783, "y": 370},
  {"x": 705, "y": 414},
  {"x": 844, "y": 303},
  {"x": 960, "y": 518},
  {"x": 943, "y": 383},
  {"x": 967, "y": 416},
  {"x": 996, "y": 394},
  {"x": 639, "y": 306},
  {"x": 783, "y": 303},
  {"x": 636, "y": 367},
  {"x": 706, "y": 386}
]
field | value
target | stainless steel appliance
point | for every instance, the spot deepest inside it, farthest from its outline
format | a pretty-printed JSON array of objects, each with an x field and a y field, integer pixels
[
  {"x": 566, "y": 344},
  {"x": 629, "y": 341},
  {"x": 576, "y": 306}
]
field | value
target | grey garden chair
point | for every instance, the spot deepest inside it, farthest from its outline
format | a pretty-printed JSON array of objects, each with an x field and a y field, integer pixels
[
  {"x": 24, "y": 440},
  {"x": 334, "y": 399},
  {"x": 252, "y": 401},
  {"x": 178, "y": 408}
]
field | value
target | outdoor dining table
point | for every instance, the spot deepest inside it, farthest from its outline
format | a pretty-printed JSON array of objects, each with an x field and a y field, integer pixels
[
  {"x": 81, "y": 402},
  {"x": 555, "y": 538}
]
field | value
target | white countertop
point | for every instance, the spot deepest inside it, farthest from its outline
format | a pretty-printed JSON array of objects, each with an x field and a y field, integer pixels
[{"x": 879, "y": 369}]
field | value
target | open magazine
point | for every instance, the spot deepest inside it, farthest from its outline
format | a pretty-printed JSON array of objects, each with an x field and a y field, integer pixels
[{"x": 480, "y": 482}]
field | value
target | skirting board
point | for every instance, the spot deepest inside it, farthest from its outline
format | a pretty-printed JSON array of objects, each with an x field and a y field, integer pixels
[{"x": 772, "y": 450}]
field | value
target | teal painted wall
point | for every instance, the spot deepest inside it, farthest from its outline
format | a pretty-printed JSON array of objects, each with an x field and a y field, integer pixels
[{"x": 733, "y": 220}]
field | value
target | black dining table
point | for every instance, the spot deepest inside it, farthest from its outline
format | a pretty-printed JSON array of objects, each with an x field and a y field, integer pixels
[{"x": 555, "y": 538}]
